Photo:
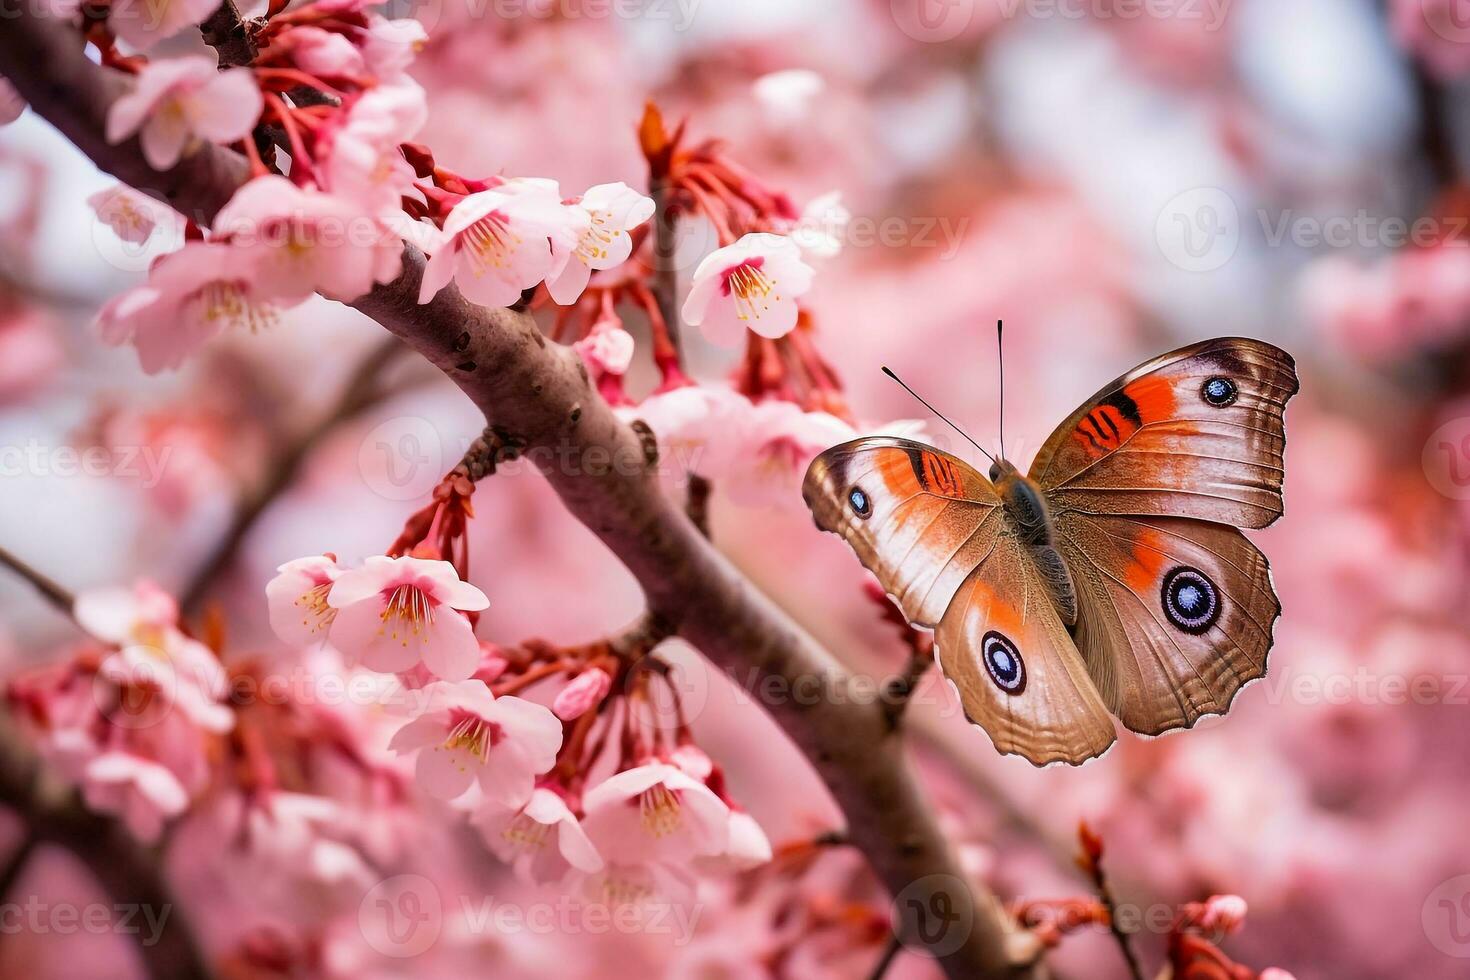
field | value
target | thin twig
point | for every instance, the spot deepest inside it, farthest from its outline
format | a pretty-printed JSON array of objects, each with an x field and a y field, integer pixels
[
  {"x": 890, "y": 953},
  {"x": 1090, "y": 862},
  {"x": 900, "y": 689},
  {"x": 696, "y": 502},
  {"x": 52, "y": 592}
]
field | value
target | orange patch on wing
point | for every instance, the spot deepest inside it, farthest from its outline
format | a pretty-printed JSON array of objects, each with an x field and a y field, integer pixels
[
  {"x": 1154, "y": 397},
  {"x": 1145, "y": 562},
  {"x": 940, "y": 475},
  {"x": 897, "y": 473}
]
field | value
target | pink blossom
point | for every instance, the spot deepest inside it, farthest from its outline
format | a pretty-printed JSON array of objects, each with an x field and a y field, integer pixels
[
  {"x": 362, "y": 162},
  {"x": 394, "y": 613},
  {"x": 656, "y": 812},
  {"x": 820, "y": 229},
  {"x": 626, "y": 884},
  {"x": 11, "y": 104},
  {"x": 177, "y": 102},
  {"x": 297, "y": 599},
  {"x": 583, "y": 694},
  {"x": 779, "y": 442},
  {"x": 389, "y": 46},
  {"x": 142, "y": 23},
  {"x": 751, "y": 284},
  {"x": 133, "y": 216},
  {"x": 298, "y": 242},
  {"x": 142, "y": 792},
  {"x": 30, "y": 351},
  {"x": 607, "y": 347},
  {"x": 1223, "y": 913},
  {"x": 787, "y": 95},
  {"x": 466, "y": 735},
  {"x": 324, "y": 53},
  {"x": 543, "y": 839},
  {"x": 498, "y": 243},
  {"x": 609, "y": 212},
  {"x": 749, "y": 846},
  {"x": 189, "y": 297},
  {"x": 698, "y": 427},
  {"x": 142, "y": 622}
]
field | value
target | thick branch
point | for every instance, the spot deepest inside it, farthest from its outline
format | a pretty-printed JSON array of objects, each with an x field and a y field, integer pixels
[{"x": 540, "y": 391}]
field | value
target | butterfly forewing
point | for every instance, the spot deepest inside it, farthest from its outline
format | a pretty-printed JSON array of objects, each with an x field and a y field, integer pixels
[
  {"x": 1195, "y": 433},
  {"x": 918, "y": 518}
]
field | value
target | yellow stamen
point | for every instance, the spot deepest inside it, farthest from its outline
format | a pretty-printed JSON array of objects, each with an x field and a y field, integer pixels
[
  {"x": 490, "y": 243},
  {"x": 407, "y": 609},
  {"x": 319, "y": 615},
  {"x": 754, "y": 291},
  {"x": 660, "y": 809}
]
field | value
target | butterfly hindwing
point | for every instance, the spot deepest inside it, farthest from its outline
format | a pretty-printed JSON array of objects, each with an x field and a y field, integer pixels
[
  {"x": 1195, "y": 433},
  {"x": 1175, "y": 615},
  {"x": 1014, "y": 666},
  {"x": 918, "y": 518}
]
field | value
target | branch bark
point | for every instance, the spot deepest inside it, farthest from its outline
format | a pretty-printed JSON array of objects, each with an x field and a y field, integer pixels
[{"x": 539, "y": 391}]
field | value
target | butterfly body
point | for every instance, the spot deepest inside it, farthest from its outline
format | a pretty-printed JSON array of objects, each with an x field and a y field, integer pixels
[{"x": 1110, "y": 578}]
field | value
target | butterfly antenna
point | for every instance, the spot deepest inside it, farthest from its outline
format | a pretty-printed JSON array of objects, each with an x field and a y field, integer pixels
[
  {"x": 1000, "y": 351},
  {"x": 936, "y": 411}
]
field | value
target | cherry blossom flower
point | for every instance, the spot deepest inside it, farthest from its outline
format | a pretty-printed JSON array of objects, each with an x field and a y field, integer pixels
[
  {"x": 787, "y": 95},
  {"x": 362, "y": 160},
  {"x": 177, "y": 102},
  {"x": 749, "y": 846},
  {"x": 298, "y": 242},
  {"x": 656, "y": 812},
  {"x": 297, "y": 599},
  {"x": 142, "y": 622},
  {"x": 698, "y": 427},
  {"x": 1223, "y": 913},
  {"x": 467, "y": 735},
  {"x": 607, "y": 347},
  {"x": 610, "y": 212},
  {"x": 142, "y": 792},
  {"x": 326, "y": 54},
  {"x": 134, "y": 216},
  {"x": 11, "y": 104},
  {"x": 394, "y": 613},
  {"x": 500, "y": 242},
  {"x": 542, "y": 840},
  {"x": 751, "y": 284},
  {"x": 143, "y": 23},
  {"x": 779, "y": 442},
  {"x": 583, "y": 694},
  {"x": 390, "y": 45},
  {"x": 624, "y": 885},
  {"x": 190, "y": 296}
]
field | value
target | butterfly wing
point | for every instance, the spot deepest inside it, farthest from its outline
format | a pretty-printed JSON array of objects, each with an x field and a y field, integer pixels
[
  {"x": 1174, "y": 615},
  {"x": 1014, "y": 666},
  {"x": 931, "y": 529},
  {"x": 1148, "y": 482},
  {"x": 918, "y": 518},
  {"x": 1199, "y": 432}
]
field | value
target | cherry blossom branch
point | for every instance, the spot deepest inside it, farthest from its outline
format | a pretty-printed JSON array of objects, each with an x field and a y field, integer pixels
[
  {"x": 361, "y": 391},
  {"x": 540, "y": 391},
  {"x": 127, "y": 871},
  {"x": 50, "y": 590}
]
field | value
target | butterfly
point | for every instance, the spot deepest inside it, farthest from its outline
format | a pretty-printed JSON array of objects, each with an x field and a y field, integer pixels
[{"x": 1112, "y": 578}]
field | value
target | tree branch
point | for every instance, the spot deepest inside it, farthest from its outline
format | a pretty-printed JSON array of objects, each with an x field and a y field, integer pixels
[{"x": 539, "y": 391}]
